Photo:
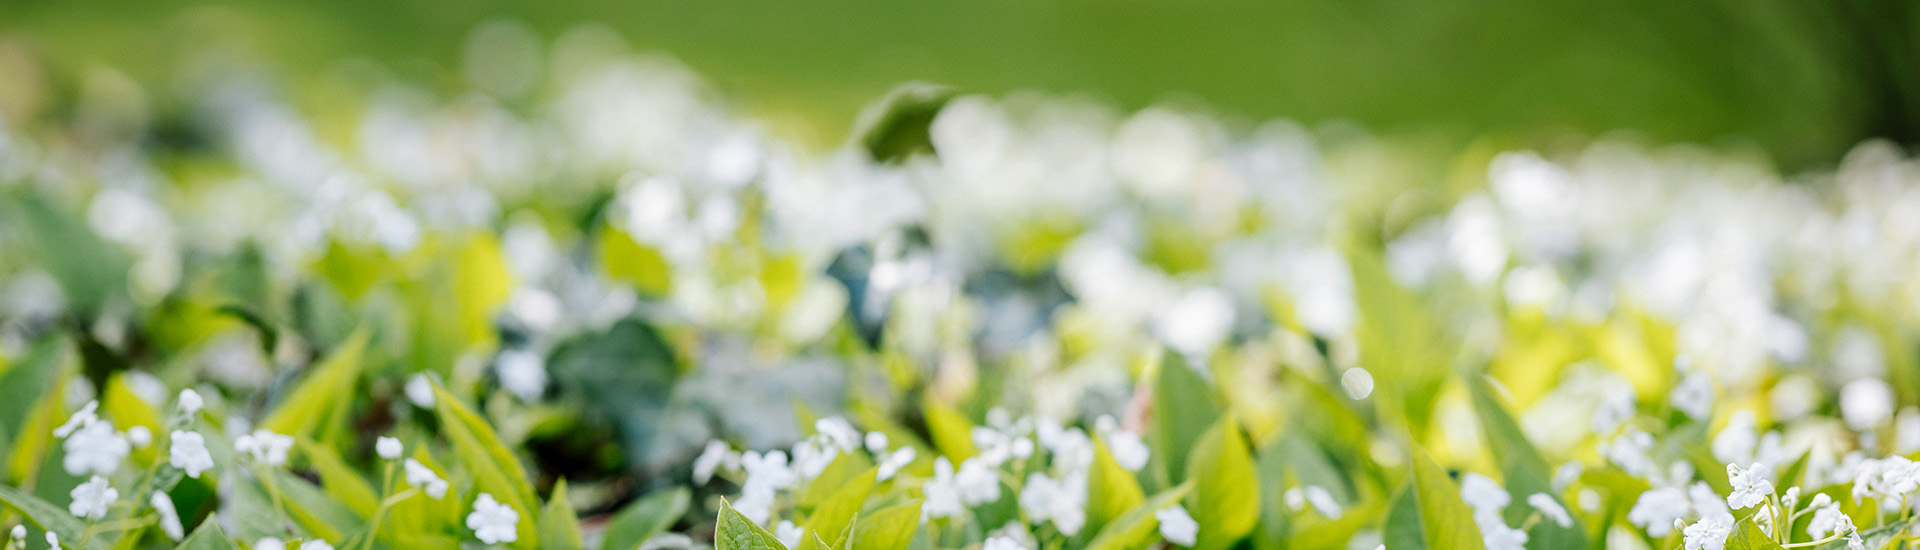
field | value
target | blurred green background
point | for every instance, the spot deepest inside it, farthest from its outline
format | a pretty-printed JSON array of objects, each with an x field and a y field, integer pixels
[{"x": 1800, "y": 80}]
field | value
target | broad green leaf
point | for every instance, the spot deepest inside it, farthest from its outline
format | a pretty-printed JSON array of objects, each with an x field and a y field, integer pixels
[
  {"x": 1183, "y": 409},
  {"x": 897, "y": 126},
  {"x": 1748, "y": 536},
  {"x": 1403, "y": 530},
  {"x": 119, "y": 404},
  {"x": 1226, "y": 488},
  {"x": 634, "y": 263},
  {"x": 495, "y": 470},
  {"x": 559, "y": 525},
  {"x": 481, "y": 283},
  {"x": 889, "y": 528},
  {"x": 833, "y": 515},
  {"x": 952, "y": 433},
  {"x": 735, "y": 532},
  {"x": 25, "y": 385},
  {"x": 47, "y": 516},
  {"x": 838, "y": 473},
  {"x": 813, "y": 540},
  {"x": 208, "y": 537},
  {"x": 1445, "y": 520},
  {"x": 1111, "y": 490},
  {"x": 645, "y": 518},
  {"x": 1522, "y": 468},
  {"x": 1138, "y": 528},
  {"x": 324, "y": 395},
  {"x": 340, "y": 480}
]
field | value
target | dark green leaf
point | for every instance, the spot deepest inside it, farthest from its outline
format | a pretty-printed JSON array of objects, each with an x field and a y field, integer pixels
[{"x": 645, "y": 518}]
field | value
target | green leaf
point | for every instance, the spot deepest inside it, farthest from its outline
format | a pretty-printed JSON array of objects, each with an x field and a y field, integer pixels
[
  {"x": 889, "y": 528},
  {"x": 735, "y": 532},
  {"x": 629, "y": 261},
  {"x": 1403, "y": 530},
  {"x": 208, "y": 537},
  {"x": 320, "y": 401},
  {"x": 1111, "y": 490},
  {"x": 1445, "y": 520},
  {"x": 952, "y": 433},
  {"x": 47, "y": 516},
  {"x": 838, "y": 511},
  {"x": 1226, "y": 488},
  {"x": 897, "y": 126},
  {"x": 495, "y": 470},
  {"x": 559, "y": 525},
  {"x": 314, "y": 509},
  {"x": 25, "y": 384},
  {"x": 1522, "y": 468},
  {"x": 1748, "y": 536},
  {"x": 645, "y": 518},
  {"x": 838, "y": 473},
  {"x": 340, "y": 480},
  {"x": 1183, "y": 409},
  {"x": 1138, "y": 528},
  {"x": 1874, "y": 538}
]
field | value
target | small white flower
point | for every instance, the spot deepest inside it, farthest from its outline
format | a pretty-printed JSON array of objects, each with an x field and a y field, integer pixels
[
  {"x": 1001, "y": 543},
  {"x": 942, "y": 493},
  {"x": 265, "y": 446},
  {"x": 317, "y": 544},
  {"x": 80, "y": 419},
  {"x": 1566, "y": 474},
  {"x": 1828, "y": 520},
  {"x": 1708, "y": 534},
  {"x": 977, "y": 482},
  {"x": 1550, "y": 508},
  {"x": 269, "y": 543},
  {"x": 522, "y": 373},
  {"x": 1483, "y": 494},
  {"x": 53, "y": 540},
  {"x": 1128, "y": 449},
  {"x": 420, "y": 391},
  {"x": 95, "y": 449},
  {"x": 388, "y": 448},
  {"x": 768, "y": 469},
  {"x": 90, "y": 499},
  {"x": 190, "y": 401},
  {"x": 1750, "y": 486},
  {"x": 1177, "y": 526},
  {"x": 139, "y": 436},
  {"x": 756, "y": 503},
  {"x": 876, "y": 443},
  {"x": 169, "y": 516},
  {"x": 19, "y": 533},
  {"x": 1866, "y": 403},
  {"x": 1657, "y": 509},
  {"x": 493, "y": 522},
  {"x": 893, "y": 462},
  {"x": 1323, "y": 502},
  {"x": 188, "y": 452},
  {"x": 1616, "y": 407},
  {"x": 788, "y": 533},
  {"x": 838, "y": 431},
  {"x": 1737, "y": 441},
  {"x": 812, "y": 456},
  {"x": 419, "y": 475},
  {"x": 1706, "y": 503},
  {"x": 1497, "y": 535},
  {"x": 716, "y": 454},
  {"x": 1694, "y": 395}
]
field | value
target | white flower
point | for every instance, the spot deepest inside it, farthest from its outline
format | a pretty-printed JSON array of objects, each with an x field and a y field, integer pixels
[
  {"x": 756, "y": 503},
  {"x": 941, "y": 492},
  {"x": 1062, "y": 502},
  {"x": 876, "y": 442},
  {"x": 1483, "y": 494},
  {"x": 1750, "y": 486},
  {"x": 90, "y": 499},
  {"x": 769, "y": 470},
  {"x": 716, "y": 454},
  {"x": 269, "y": 543},
  {"x": 53, "y": 540},
  {"x": 841, "y": 433},
  {"x": 139, "y": 436},
  {"x": 265, "y": 446},
  {"x": 493, "y": 522},
  {"x": 977, "y": 482},
  {"x": 1866, "y": 403},
  {"x": 1177, "y": 526},
  {"x": 894, "y": 461},
  {"x": 1566, "y": 474},
  {"x": 812, "y": 456},
  {"x": 1498, "y": 536},
  {"x": 1550, "y": 508},
  {"x": 190, "y": 401},
  {"x": 1196, "y": 321},
  {"x": 19, "y": 533},
  {"x": 419, "y": 475},
  {"x": 95, "y": 449},
  {"x": 388, "y": 448},
  {"x": 788, "y": 533},
  {"x": 1616, "y": 407},
  {"x": 1001, "y": 543},
  {"x": 1323, "y": 502},
  {"x": 1708, "y": 534},
  {"x": 1694, "y": 395},
  {"x": 169, "y": 517},
  {"x": 1706, "y": 503},
  {"x": 1358, "y": 383},
  {"x": 1828, "y": 520},
  {"x": 1736, "y": 442},
  {"x": 1656, "y": 510},
  {"x": 188, "y": 452},
  {"x": 420, "y": 391},
  {"x": 316, "y": 544},
  {"x": 1629, "y": 451},
  {"x": 522, "y": 373},
  {"x": 1128, "y": 450},
  {"x": 80, "y": 419}
]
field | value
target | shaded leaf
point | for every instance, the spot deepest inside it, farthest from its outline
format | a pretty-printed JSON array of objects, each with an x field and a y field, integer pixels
[
  {"x": 645, "y": 518},
  {"x": 1138, "y": 527},
  {"x": 1183, "y": 409},
  {"x": 495, "y": 470},
  {"x": 559, "y": 525},
  {"x": 1522, "y": 468}
]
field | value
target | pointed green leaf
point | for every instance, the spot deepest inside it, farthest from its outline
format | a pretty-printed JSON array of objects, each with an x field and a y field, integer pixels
[
  {"x": 47, "y": 516},
  {"x": 1138, "y": 528},
  {"x": 837, "y": 512},
  {"x": 323, "y": 395},
  {"x": 1445, "y": 520},
  {"x": 1522, "y": 468},
  {"x": 889, "y": 528},
  {"x": 838, "y": 473},
  {"x": 340, "y": 480},
  {"x": 559, "y": 525},
  {"x": 208, "y": 537},
  {"x": 735, "y": 532},
  {"x": 1183, "y": 409},
  {"x": 25, "y": 384},
  {"x": 952, "y": 433},
  {"x": 1748, "y": 536},
  {"x": 897, "y": 126},
  {"x": 1226, "y": 497},
  {"x": 495, "y": 470},
  {"x": 1111, "y": 490},
  {"x": 645, "y": 518},
  {"x": 313, "y": 509}
]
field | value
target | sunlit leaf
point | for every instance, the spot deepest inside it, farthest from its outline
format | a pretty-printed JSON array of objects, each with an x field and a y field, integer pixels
[
  {"x": 889, "y": 528},
  {"x": 735, "y": 532},
  {"x": 495, "y": 469},
  {"x": 1226, "y": 497},
  {"x": 559, "y": 525}
]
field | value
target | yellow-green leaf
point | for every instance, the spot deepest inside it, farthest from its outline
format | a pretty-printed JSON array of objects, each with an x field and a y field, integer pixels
[
  {"x": 208, "y": 537},
  {"x": 340, "y": 480},
  {"x": 833, "y": 515},
  {"x": 559, "y": 525},
  {"x": 952, "y": 433},
  {"x": 1226, "y": 488},
  {"x": 1749, "y": 536},
  {"x": 324, "y": 395},
  {"x": 47, "y": 516},
  {"x": 1445, "y": 520},
  {"x": 735, "y": 532},
  {"x": 1138, "y": 528},
  {"x": 1183, "y": 408},
  {"x": 634, "y": 263},
  {"x": 838, "y": 473},
  {"x": 128, "y": 410},
  {"x": 889, "y": 528},
  {"x": 1111, "y": 490},
  {"x": 495, "y": 470},
  {"x": 645, "y": 518}
]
